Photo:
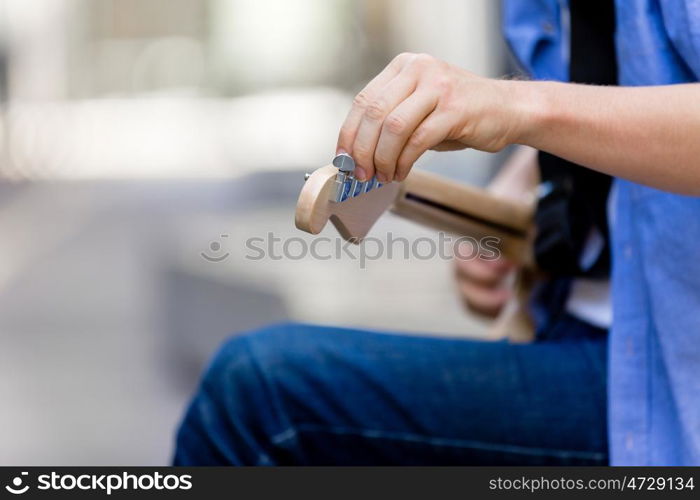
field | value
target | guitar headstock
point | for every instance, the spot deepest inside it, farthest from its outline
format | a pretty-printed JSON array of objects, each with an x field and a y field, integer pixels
[{"x": 351, "y": 206}]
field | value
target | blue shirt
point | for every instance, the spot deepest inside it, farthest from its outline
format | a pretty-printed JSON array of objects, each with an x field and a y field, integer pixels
[{"x": 654, "y": 346}]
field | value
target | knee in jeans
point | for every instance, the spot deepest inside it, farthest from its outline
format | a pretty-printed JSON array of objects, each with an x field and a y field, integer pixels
[{"x": 242, "y": 360}]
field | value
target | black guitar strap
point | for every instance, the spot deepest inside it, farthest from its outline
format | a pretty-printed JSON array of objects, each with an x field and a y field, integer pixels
[{"x": 574, "y": 198}]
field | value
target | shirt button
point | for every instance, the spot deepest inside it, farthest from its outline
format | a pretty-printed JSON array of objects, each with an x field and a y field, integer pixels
[
  {"x": 628, "y": 251},
  {"x": 629, "y": 441},
  {"x": 629, "y": 346}
]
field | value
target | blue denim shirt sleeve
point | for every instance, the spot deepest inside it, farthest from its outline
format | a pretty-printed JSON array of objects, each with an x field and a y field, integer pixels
[
  {"x": 536, "y": 33},
  {"x": 658, "y": 42},
  {"x": 682, "y": 22},
  {"x": 654, "y": 354}
]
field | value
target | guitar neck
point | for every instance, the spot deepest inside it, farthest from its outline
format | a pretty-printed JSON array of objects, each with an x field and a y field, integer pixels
[{"x": 466, "y": 211}]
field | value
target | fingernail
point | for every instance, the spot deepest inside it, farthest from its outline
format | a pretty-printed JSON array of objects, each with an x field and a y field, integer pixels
[
  {"x": 381, "y": 177},
  {"x": 340, "y": 151},
  {"x": 360, "y": 173}
]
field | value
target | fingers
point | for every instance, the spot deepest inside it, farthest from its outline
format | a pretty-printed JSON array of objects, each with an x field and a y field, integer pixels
[
  {"x": 372, "y": 122},
  {"x": 415, "y": 104},
  {"x": 486, "y": 301},
  {"x": 482, "y": 283},
  {"x": 348, "y": 131},
  {"x": 430, "y": 133},
  {"x": 397, "y": 128},
  {"x": 448, "y": 146},
  {"x": 484, "y": 272}
]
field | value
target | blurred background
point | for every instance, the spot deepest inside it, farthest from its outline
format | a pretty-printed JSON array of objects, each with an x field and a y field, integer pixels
[{"x": 136, "y": 135}]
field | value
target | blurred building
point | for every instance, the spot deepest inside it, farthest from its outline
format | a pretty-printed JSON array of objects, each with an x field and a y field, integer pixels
[
  {"x": 190, "y": 88},
  {"x": 134, "y": 134}
]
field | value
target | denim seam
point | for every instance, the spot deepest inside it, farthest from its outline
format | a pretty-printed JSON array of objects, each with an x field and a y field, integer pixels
[{"x": 444, "y": 442}]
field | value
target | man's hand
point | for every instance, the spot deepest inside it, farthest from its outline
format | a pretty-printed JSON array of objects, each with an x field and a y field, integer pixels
[
  {"x": 483, "y": 285},
  {"x": 418, "y": 103}
]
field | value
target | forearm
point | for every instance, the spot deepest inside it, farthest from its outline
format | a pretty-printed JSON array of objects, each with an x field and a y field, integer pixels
[{"x": 650, "y": 135}]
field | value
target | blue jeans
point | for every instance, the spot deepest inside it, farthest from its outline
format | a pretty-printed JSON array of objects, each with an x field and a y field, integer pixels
[{"x": 300, "y": 394}]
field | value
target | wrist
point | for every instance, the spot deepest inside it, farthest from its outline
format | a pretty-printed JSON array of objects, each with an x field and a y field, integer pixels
[{"x": 529, "y": 108}]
